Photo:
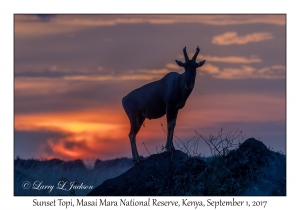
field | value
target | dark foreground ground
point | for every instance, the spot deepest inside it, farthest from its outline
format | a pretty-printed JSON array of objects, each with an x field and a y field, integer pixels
[
  {"x": 35, "y": 177},
  {"x": 251, "y": 169}
]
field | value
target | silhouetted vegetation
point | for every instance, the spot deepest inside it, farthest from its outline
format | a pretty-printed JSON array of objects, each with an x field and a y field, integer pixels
[{"x": 250, "y": 169}]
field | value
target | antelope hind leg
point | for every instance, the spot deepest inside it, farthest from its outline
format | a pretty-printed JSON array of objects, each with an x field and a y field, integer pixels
[{"x": 136, "y": 121}]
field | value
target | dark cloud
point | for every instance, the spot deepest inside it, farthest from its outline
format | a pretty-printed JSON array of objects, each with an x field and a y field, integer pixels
[
  {"x": 31, "y": 144},
  {"x": 44, "y": 73},
  {"x": 48, "y": 73},
  {"x": 45, "y": 17},
  {"x": 71, "y": 145},
  {"x": 33, "y": 18},
  {"x": 80, "y": 95}
]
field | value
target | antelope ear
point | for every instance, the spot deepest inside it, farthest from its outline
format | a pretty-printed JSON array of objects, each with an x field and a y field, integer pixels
[
  {"x": 179, "y": 63},
  {"x": 201, "y": 63}
]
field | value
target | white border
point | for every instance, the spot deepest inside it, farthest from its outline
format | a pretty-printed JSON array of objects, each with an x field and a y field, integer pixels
[{"x": 8, "y": 8}]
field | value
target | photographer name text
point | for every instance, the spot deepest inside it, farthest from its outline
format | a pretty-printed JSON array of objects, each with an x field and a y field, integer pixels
[{"x": 62, "y": 185}]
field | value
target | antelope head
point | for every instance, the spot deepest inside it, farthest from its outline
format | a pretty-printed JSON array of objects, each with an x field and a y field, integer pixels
[{"x": 190, "y": 67}]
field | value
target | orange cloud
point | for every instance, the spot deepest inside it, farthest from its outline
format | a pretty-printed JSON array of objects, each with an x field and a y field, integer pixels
[
  {"x": 227, "y": 59},
  {"x": 274, "y": 72},
  {"x": 39, "y": 85},
  {"x": 108, "y": 77},
  {"x": 153, "y": 71},
  {"x": 172, "y": 65},
  {"x": 140, "y": 74},
  {"x": 210, "y": 69},
  {"x": 229, "y": 38},
  {"x": 232, "y": 59},
  {"x": 245, "y": 72},
  {"x": 87, "y": 147},
  {"x": 87, "y": 133},
  {"x": 84, "y": 120}
]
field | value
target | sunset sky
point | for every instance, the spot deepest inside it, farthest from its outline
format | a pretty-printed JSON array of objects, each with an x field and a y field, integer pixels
[{"x": 71, "y": 72}]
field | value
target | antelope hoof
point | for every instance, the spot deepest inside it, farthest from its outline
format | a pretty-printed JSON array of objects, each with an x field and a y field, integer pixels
[
  {"x": 138, "y": 160},
  {"x": 170, "y": 149}
]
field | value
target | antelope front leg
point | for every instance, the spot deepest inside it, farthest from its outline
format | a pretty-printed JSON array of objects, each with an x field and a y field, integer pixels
[
  {"x": 135, "y": 154},
  {"x": 171, "y": 119}
]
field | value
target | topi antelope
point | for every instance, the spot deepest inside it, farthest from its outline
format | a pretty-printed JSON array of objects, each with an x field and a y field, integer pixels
[{"x": 155, "y": 99}]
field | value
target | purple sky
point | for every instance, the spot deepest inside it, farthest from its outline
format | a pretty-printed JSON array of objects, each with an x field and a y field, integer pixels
[{"x": 71, "y": 72}]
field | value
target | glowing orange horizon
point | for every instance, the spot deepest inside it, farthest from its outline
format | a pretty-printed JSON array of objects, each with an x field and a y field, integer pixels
[{"x": 91, "y": 133}]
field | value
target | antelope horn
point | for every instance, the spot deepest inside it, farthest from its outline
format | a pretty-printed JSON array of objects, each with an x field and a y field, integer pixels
[
  {"x": 186, "y": 57},
  {"x": 196, "y": 54}
]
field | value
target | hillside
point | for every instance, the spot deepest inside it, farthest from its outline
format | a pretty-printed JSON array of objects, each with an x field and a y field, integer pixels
[
  {"x": 251, "y": 169},
  {"x": 41, "y": 174}
]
